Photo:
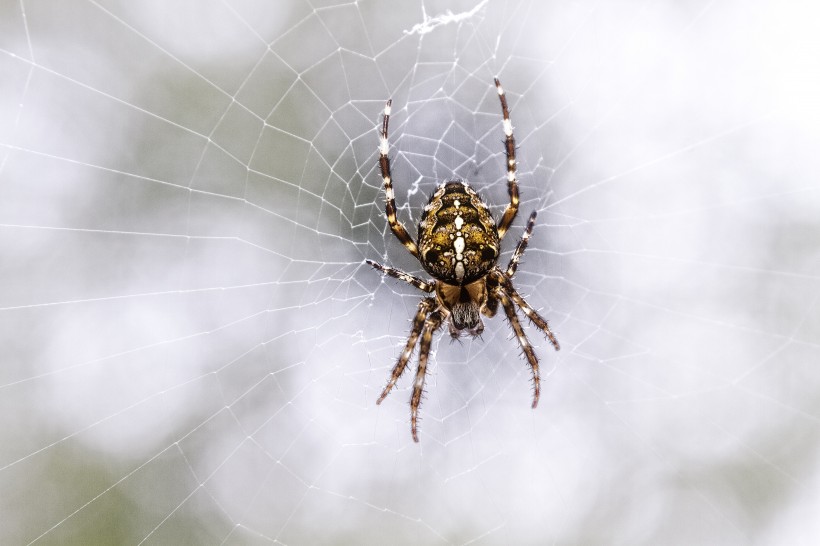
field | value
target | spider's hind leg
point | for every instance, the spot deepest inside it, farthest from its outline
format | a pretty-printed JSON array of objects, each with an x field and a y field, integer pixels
[
  {"x": 390, "y": 206},
  {"x": 509, "y": 149}
]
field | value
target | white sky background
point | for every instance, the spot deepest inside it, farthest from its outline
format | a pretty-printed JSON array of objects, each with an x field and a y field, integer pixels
[{"x": 192, "y": 346}]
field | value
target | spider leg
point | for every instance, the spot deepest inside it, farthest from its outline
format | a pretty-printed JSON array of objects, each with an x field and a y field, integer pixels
[
  {"x": 509, "y": 309},
  {"x": 509, "y": 147},
  {"x": 430, "y": 326},
  {"x": 390, "y": 207},
  {"x": 425, "y": 306},
  {"x": 537, "y": 320},
  {"x": 522, "y": 245},
  {"x": 402, "y": 276}
]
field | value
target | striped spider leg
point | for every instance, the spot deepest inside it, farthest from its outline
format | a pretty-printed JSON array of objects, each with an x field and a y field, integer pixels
[{"x": 509, "y": 149}]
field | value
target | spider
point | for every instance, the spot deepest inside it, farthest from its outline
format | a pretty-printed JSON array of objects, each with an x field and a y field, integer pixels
[{"x": 458, "y": 244}]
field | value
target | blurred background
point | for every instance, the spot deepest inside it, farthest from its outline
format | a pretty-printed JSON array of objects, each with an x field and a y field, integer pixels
[{"x": 192, "y": 346}]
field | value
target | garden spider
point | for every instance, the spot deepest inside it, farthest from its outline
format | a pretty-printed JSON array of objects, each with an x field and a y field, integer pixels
[{"x": 458, "y": 244}]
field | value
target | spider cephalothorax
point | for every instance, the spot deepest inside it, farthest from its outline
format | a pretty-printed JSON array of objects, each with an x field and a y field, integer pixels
[{"x": 458, "y": 244}]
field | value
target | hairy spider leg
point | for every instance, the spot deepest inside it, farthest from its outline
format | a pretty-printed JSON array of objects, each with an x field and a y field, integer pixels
[
  {"x": 425, "y": 306},
  {"x": 402, "y": 276},
  {"x": 509, "y": 310},
  {"x": 522, "y": 246},
  {"x": 509, "y": 147},
  {"x": 390, "y": 206},
  {"x": 430, "y": 326},
  {"x": 537, "y": 320}
]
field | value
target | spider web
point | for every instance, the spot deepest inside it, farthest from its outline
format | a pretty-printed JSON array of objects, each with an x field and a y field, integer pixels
[{"x": 193, "y": 346}]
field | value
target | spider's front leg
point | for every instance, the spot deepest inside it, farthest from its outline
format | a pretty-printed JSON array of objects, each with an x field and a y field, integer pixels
[
  {"x": 537, "y": 320},
  {"x": 419, "y": 321},
  {"x": 430, "y": 326},
  {"x": 532, "y": 359}
]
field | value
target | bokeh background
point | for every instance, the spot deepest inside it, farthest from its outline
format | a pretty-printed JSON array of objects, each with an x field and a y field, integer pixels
[{"x": 192, "y": 346}]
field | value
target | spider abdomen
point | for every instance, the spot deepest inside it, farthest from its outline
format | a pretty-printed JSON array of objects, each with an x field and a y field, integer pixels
[{"x": 457, "y": 235}]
